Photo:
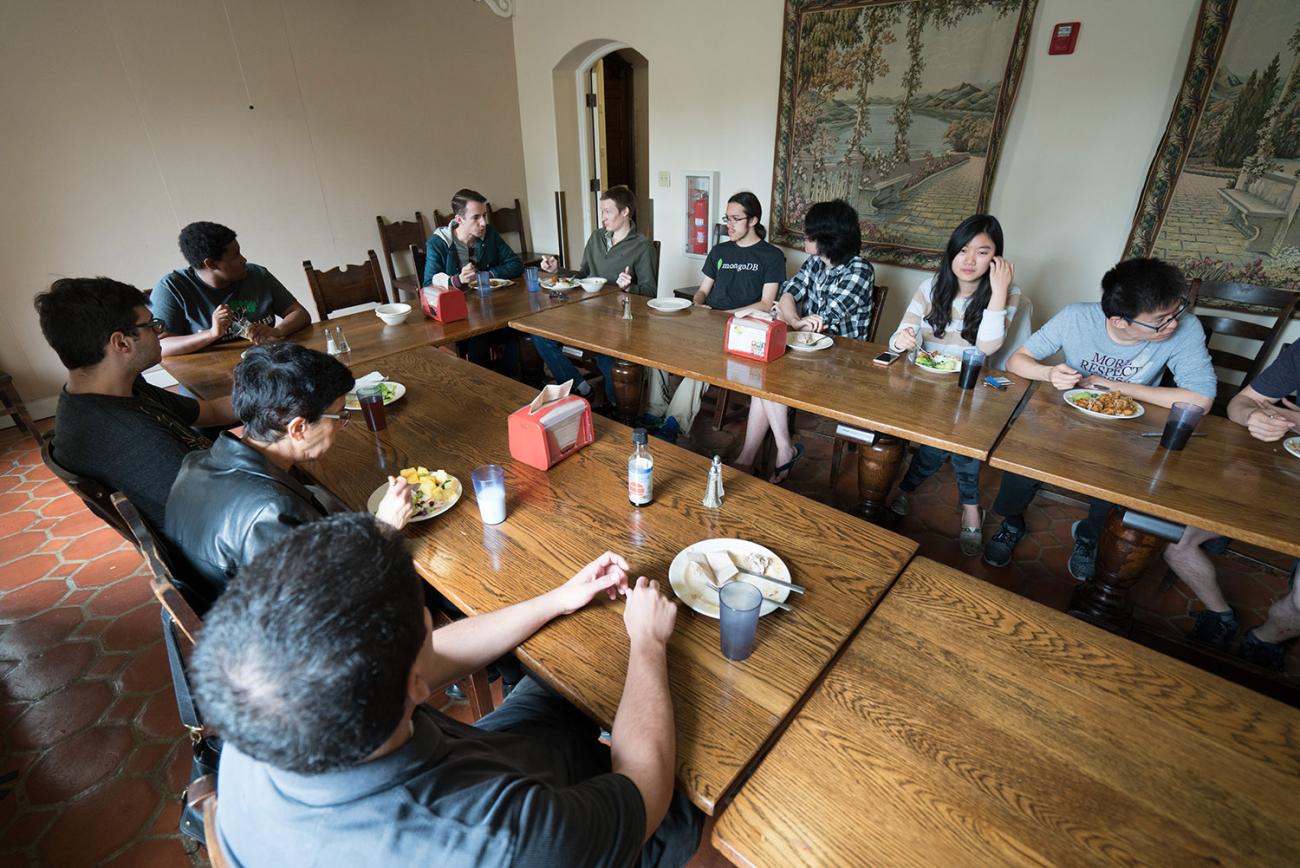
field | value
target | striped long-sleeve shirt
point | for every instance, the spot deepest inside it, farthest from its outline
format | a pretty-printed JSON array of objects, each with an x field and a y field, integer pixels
[{"x": 992, "y": 331}]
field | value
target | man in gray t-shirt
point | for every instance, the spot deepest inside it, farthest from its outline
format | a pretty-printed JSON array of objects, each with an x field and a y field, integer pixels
[
  {"x": 1124, "y": 343},
  {"x": 332, "y": 758},
  {"x": 221, "y": 297}
]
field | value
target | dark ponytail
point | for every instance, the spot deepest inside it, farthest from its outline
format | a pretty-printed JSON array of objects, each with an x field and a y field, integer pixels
[{"x": 753, "y": 208}]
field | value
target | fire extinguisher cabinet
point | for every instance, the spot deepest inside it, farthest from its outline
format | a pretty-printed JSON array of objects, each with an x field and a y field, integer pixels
[{"x": 701, "y": 212}]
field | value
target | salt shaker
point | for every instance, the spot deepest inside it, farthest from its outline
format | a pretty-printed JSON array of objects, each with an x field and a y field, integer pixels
[
  {"x": 713, "y": 491},
  {"x": 331, "y": 345},
  {"x": 627, "y": 307},
  {"x": 341, "y": 342}
]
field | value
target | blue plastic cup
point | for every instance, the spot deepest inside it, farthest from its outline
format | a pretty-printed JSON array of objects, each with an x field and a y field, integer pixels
[
  {"x": 741, "y": 603},
  {"x": 532, "y": 278},
  {"x": 484, "y": 282}
]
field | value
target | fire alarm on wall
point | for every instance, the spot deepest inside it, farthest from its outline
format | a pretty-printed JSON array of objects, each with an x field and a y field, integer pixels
[{"x": 1063, "y": 38}]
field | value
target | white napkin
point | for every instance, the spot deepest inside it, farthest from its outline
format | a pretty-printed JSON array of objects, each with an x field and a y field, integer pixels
[
  {"x": 755, "y": 313},
  {"x": 374, "y": 378},
  {"x": 549, "y": 395}
]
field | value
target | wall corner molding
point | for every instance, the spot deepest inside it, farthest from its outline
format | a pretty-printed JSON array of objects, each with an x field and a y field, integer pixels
[{"x": 503, "y": 8}]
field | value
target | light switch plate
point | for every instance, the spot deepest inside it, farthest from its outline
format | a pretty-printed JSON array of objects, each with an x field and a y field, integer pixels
[{"x": 665, "y": 179}]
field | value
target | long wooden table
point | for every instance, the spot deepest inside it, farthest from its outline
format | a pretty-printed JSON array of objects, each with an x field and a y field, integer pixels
[
  {"x": 1227, "y": 482},
  {"x": 454, "y": 417},
  {"x": 841, "y": 383},
  {"x": 207, "y": 373},
  {"x": 965, "y": 725}
]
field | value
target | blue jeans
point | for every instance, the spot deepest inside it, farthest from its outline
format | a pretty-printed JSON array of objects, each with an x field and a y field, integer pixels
[
  {"x": 563, "y": 369},
  {"x": 1017, "y": 492},
  {"x": 534, "y": 709},
  {"x": 928, "y": 460}
]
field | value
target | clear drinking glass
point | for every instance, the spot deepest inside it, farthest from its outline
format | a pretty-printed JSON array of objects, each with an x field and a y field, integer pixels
[
  {"x": 1180, "y": 425},
  {"x": 341, "y": 341},
  {"x": 740, "y": 604},
  {"x": 490, "y": 491}
]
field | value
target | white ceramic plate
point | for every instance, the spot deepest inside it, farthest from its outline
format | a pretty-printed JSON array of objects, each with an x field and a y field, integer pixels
[
  {"x": 669, "y": 304},
  {"x": 560, "y": 283},
  {"x": 1292, "y": 445},
  {"x": 377, "y": 495},
  {"x": 498, "y": 282},
  {"x": 956, "y": 360},
  {"x": 1069, "y": 399},
  {"x": 794, "y": 341},
  {"x": 704, "y": 599},
  {"x": 352, "y": 403}
]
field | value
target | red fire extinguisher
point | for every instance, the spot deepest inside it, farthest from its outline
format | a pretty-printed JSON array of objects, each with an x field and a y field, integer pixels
[{"x": 699, "y": 231}]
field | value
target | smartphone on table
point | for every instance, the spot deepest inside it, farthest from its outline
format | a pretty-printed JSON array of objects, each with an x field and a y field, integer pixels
[{"x": 886, "y": 359}]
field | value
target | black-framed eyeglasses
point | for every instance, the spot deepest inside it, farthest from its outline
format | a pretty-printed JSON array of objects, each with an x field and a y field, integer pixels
[
  {"x": 155, "y": 325},
  {"x": 1182, "y": 306},
  {"x": 343, "y": 416},
  {"x": 727, "y": 218}
]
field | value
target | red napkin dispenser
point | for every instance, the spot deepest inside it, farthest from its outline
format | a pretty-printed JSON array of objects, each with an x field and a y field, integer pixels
[
  {"x": 544, "y": 434},
  {"x": 755, "y": 338},
  {"x": 443, "y": 303}
]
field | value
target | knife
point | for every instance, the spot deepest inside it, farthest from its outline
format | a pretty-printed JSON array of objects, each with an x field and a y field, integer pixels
[{"x": 798, "y": 589}]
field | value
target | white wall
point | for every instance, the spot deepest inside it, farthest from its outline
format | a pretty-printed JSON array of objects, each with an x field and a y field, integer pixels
[
  {"x": 126, "y": 120},
  {"x": 1077, "y": 149}
]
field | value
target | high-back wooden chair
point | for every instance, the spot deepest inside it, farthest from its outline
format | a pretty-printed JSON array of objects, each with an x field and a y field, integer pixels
[
  {"x": 511, "y": 220},
  {"x": 441, "y": 219},
  {"x": 201, "y": 795},
  {"x": 398, "y": 237},
  {"x": 1267, "y": 299},
  {"x": 97, "y": 496},
  {"x": 419, "y": 254},
  {"x": 180, "y": 598},
  {"x": 346, "y": 286},
  {"x": 14, "y": 406}
]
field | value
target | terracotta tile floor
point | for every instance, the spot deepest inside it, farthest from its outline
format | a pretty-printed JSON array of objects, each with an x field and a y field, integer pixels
[{"x": 88, "y": 721}]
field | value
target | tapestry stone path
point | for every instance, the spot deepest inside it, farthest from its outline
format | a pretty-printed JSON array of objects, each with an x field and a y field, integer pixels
[
  {"x": 929, "y": 213},
  {"x": 1194, "y": 226}
]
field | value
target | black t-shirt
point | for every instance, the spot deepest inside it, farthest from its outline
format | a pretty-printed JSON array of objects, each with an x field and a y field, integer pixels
[
  {"x": 739, "y": 273},
  {"x": 132, "y": 445},
  {"x": 1282, "y": 378}
]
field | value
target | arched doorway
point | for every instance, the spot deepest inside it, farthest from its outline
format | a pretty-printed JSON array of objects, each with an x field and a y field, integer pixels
[{"x": 602, "y": 133}]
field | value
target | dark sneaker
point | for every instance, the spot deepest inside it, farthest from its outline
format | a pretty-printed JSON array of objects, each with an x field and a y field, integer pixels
[
  {"x": 902, "y": 504},
  {"x": 1270, "y": 655},
  {"x": 1083, "y": 560},
  {"x": 1215, "y": 629},
  {"x": 998, "y": 550}
]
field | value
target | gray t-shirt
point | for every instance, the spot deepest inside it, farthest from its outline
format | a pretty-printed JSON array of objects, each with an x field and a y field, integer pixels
[
  {"x": 185, "y": 303},
  {"x": 1079, "y": 331},
  {"x": 133, "y": 445},
  {"x": 454, "y": 796},
  {"x": 739, "y": 273}
]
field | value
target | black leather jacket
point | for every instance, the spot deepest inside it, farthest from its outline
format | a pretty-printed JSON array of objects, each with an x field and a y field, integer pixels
[{"x": 229, "y": 503}]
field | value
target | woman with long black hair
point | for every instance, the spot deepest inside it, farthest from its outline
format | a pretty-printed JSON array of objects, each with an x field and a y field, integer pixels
[{"x": 968, "y": 303}]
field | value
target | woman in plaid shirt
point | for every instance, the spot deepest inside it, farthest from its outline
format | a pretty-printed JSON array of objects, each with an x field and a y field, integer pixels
[{"x": 830, "y": 293}]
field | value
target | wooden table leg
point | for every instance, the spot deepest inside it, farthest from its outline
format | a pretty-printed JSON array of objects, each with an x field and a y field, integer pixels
[
  {"x": 878, "y": 466},
  {"x": 629, "y": 382},
  {"x": 530, "y": 364},
  {"x": 1122, "y": 557}
]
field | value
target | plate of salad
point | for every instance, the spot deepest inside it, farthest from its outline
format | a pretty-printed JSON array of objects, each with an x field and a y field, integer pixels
[
  {"x": 936, "y": 362},
  {"x": 392, "y": 392}
]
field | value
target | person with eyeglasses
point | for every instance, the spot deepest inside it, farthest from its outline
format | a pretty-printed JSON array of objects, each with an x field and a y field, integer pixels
[
  {"x": 1125, "y": 343},
  {"x": 743, "y": 271},
  {"x": 242, "y": 496},
  {"x": 111, "y": 425}
]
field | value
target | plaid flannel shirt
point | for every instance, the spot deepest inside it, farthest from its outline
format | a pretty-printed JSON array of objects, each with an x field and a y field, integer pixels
[{"x": 840, "y": 294}]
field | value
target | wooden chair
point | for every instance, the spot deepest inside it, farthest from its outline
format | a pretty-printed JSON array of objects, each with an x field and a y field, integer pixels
[
  {"x": 441, "y": 219},
  {"x": 1282, "y": 301},
  {"x": 507, "y": 220},
  {"x": 14, "y": 406},
  {"x": 346, "y": 286},
  {"x": 97, "y": 496},
  {"x": 562, "y": 228},
  {"x": 180, "y": 598},
  {"x": 396, "y": 238},
  {"x": 418, "y": 255},
  {"x": 201, "y": 795}
]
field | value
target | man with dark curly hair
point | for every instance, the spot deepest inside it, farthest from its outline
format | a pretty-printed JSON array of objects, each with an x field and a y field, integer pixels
[{"x": 221, "y": 297}]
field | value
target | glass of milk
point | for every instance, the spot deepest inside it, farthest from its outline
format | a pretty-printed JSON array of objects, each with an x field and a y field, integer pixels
[{"x": 490, "y": 491}]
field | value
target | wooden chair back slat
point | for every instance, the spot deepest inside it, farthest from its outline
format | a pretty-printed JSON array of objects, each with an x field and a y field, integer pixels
[
  {"x": 97, "y": 496},
  {"x": 346, "y": 286},
  {"x": 177, "y": 597},
  {"x": 441, "y": 219},
  {"x": 398, "y": 237},
  {"x": 418, "y": 254},
  {"x": 562, "y": 228},
  {"x": 878, "y": 295}
]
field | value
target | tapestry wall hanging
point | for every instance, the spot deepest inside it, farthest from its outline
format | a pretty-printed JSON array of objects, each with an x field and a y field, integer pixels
[
  {"x": 1222, "y": 196},
  {"x": 899, "y": 108}
]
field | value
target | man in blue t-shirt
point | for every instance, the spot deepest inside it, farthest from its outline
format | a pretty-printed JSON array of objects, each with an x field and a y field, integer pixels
[
  {"x": 1124, "y": 343},
  {"x": 332, "y": 757},
  {"x": 221, "y": 297},
  {"x": 1265, "y": 407}
]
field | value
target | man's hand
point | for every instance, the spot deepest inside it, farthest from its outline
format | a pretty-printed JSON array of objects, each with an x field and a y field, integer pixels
[
  {"x": 649, "y": 616},
  {"x": 220, "y": 322},
  {"x": 625, "y": 278},
  {"x": 261, "y": 333},
  {"x": 549, "y": 263},
  {"x": 469, "y": 274},
  {"x": 905, "y": 340},
  {"x": 395, "y": 508},
  {"x": 1064, "y": 377},
  {"x": 1267, "y": 425},
  {"x": 606, "y": 573}
]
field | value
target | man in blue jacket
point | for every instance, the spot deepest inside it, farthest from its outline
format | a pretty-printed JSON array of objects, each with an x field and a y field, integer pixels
[{"x": 454, "y": 256}]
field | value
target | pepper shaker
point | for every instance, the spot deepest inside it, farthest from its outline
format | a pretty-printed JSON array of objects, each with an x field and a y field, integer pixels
[
  {"x": 717, "y": 468},
  {"x": 713, "y": 490},
  {"x": 627, "y": 307}
]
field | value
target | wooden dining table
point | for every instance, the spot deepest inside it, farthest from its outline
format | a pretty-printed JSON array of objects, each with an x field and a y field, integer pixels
[
  {"x": 208, "y": 373},
  {"x": 454, "y": 417},
  {"x": 966, "y": 725},
  {"x": 895, "y": 403},
  {"x": 1225, "y": 481}
]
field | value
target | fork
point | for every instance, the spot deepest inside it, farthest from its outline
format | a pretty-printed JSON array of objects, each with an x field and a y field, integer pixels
[{"x": 782, "y": 606}]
